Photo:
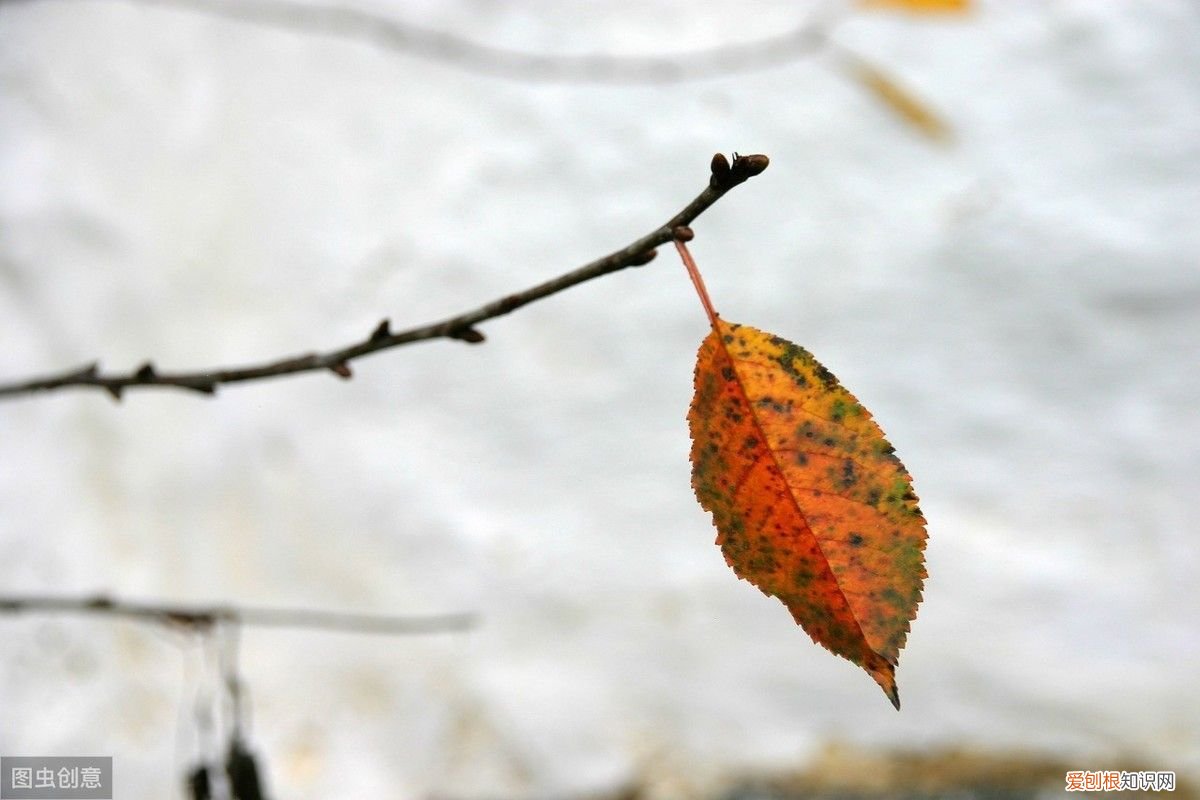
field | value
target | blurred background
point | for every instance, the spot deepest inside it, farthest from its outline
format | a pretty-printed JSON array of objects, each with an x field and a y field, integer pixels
[{"x": 983, "y": 221}]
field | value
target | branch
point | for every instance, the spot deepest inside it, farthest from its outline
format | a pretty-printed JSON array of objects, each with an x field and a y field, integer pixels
[
  {"x": 205, "y": 617},
  {"x": 393, "y": 35},
  {"x": 462, "y": 327}
]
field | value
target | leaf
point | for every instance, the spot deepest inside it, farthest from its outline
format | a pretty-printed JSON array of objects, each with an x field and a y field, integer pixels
[
  {"x": 810, "y": 502},
  {"x": 900, "y": 100},
  {"x": 920, "y": 6}
]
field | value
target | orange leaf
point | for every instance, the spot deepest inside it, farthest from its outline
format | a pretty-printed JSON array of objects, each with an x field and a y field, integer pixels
[
  {"x": 901, "y": 101},
  {"x": 920, "y": 6},
  {"x": 810, "y": 503}
]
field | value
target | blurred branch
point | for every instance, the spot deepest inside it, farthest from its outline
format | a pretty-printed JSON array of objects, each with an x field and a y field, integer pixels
[
  {"x": 205, "y": 617},
  {"x": 402, "y": 37},
  {"x": 724, "y": 177},
  {"x": 809, "y": 37}
]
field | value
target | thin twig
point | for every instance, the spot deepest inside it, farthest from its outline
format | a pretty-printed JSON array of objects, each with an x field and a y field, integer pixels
[
  {"x": 393, "y": 35},
  {"x": 205, "y": 617},
  {"x": 460, "y": 327}
]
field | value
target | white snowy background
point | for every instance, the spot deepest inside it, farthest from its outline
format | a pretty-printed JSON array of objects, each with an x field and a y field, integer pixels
[{"x": 1020, "y": 308}]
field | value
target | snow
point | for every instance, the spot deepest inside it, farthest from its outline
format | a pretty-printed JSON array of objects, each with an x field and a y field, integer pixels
[{"x": 1018, "y": 308}]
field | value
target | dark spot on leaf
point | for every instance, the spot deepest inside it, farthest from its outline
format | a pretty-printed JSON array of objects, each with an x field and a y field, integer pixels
[
  {"x": 802, "y": 577},
  {"x": 734, "y": 545},
  {"x": 763, "y": 559},
  {"x": 788, "y": 358},
  {"x": 825, "y": 375},
  {"x": 856, "y": 539},
  {"x": 894, "y": 599},
  {"x": 775, "y": 405},
  {"x": 848, "y": 476},
  {"x": 763, "y": 563},
  {"x": 727, "y": 373}
]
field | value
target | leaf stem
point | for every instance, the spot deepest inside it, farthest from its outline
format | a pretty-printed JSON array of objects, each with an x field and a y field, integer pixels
[{"x": 697, "y": 281}]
